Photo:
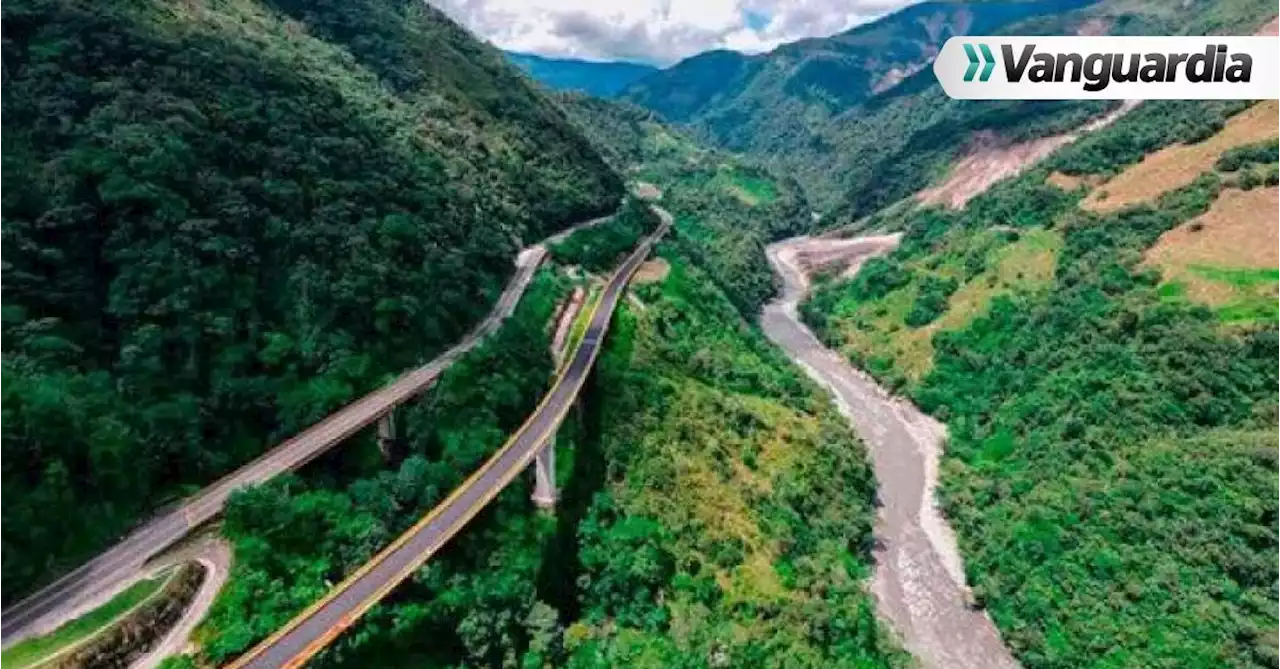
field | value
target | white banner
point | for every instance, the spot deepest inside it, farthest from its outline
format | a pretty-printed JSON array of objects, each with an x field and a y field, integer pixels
[{"x": 1110, "y": 68}]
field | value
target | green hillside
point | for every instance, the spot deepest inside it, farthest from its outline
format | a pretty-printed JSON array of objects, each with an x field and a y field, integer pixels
[
  {"x": 1111, "y": 464},
  {"x": 727, "y": 207},
  {"x": 225, "y": 218}
]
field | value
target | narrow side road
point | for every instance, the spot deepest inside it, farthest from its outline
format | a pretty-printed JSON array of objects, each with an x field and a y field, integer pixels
[
  {"x": 919, "y": 577},
  {"x": 215, "y": 555}
]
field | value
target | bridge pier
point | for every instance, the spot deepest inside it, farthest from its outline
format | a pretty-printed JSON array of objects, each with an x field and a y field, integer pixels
[
  {"x": 544, "y": 464},
  {"x": 544, "y": 476},
  {"x": 387, "y": 434}
]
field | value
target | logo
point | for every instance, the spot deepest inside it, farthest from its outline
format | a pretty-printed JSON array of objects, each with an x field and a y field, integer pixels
[
  {"x": 987, "y": 58},
  {"x": 1116, "y": 68}
]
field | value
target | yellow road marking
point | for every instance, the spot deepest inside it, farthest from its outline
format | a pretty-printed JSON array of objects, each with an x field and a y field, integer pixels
[{"x": 348, "y": 619}]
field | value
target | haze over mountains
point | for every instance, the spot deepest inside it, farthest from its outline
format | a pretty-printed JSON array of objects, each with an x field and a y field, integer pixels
[{"x": 601, "y": 79}]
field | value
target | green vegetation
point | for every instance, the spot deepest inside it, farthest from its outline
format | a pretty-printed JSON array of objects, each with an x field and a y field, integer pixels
[
  {"x": 1171, "y": 122},
  {"x": 727, "y": 209},
  {"x": 473, "y": 602},
  {"x": 734, "y": 522},
  {"x": 886, "y": 317},
  {"x": 1262, "y": 153},
  {"x": 1111, "y": 464},
  {"x": 225, "y": 218},
  {"x": 1257, "y": 304},
  {"x": 931, "y": 300},
  {"x": 600, "y": 247},
  {"x": 38, "y": 649}
]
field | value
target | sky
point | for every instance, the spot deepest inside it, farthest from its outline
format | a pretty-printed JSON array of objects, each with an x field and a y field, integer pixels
[{"x": 659, "y": 32}]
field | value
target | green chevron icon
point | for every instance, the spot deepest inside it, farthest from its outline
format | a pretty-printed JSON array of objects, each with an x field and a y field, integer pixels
[{"x": 987, "y": 57}]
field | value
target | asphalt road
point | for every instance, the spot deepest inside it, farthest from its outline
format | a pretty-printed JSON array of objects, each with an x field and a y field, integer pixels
[
  {"x": 919, "y": 577},
  {"x": 318, "y": 625},
  {"x": 79, "y": 590}
]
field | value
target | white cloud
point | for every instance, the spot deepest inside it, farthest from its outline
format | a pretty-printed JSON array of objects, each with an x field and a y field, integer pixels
[{"x": 656, "y": 31}]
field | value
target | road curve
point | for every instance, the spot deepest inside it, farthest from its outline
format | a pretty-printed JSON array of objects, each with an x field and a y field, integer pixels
[
  {"x": 919, "y": 577},
  {"x": 322, "y": 622},
  {"x": 214, "y": 555},
  {"x": 78, "y": 591}
]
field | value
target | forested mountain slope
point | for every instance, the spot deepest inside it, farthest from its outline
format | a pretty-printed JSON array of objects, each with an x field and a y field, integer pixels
[
  {"x": 736, "y": 96},
  {"x": 859, "y": 119},
  {"x": 225, "y": 218},
  {"x": 1108, "y": 376},
  {"x": 727, "y": 207},
  {"x": 597, "y": 78}
]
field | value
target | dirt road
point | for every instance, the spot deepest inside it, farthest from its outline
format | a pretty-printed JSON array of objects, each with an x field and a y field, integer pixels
[{"x": 919, "y": 577}]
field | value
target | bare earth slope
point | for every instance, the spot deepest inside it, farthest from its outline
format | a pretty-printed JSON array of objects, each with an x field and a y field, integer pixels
[{"x": 919, "y": 578}]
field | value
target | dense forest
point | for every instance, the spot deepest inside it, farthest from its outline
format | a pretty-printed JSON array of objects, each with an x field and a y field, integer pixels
[
  {"x": 225, "y": 218},
  {"x": 476, "y": 601},
  {"x": 1111, "y": 463}
]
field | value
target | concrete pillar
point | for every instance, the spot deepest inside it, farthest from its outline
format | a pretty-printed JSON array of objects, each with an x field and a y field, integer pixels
[
  {"x": 544, "y": 476},
  {"x": 387, "y": 434}
]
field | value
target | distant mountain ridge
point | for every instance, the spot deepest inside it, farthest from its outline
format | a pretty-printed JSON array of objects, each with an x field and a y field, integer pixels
[
  {"x": 858, "y": 117},
  {"x": 603, "y": 79},
  {"x": 726, "y": 92}
]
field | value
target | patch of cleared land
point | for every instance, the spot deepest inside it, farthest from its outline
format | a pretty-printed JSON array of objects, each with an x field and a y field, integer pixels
[
  {"x": 991, "y": 160},
  {"x": 877, "y": 329},
  {"x": 1176, "y": 166},
  {"x": 1227, "y": 258},
  {"x": 38, "y": 650},
  {"x": 1070, "y": 182},
  {"x": 651, "y": 271},
  {"x": 646, "y": 191},
  {"x": 749, "y": 189}
]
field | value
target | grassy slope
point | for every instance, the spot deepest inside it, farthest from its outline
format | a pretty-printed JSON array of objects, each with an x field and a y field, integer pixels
[
  {"x": 1111, "y": 466},
  {"x": 37, "y": 649}
]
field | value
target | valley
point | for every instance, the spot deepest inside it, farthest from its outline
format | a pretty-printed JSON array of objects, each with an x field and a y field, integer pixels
[{"x": 813, "y": 366}]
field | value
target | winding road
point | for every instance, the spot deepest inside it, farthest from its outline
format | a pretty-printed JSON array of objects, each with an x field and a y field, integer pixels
[
  {"x": 98, "y": 579},
  {"x": 322, "y": 622},
  {"x": 919, "y": 576}
]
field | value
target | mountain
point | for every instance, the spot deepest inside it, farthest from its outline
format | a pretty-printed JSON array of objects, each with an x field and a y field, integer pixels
[
  {"x": 730, "y": 94},
  {"x": 859, "y": 118},
  {"x": 224, "y": 220},
  {"x": 603, "y": 79}
]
